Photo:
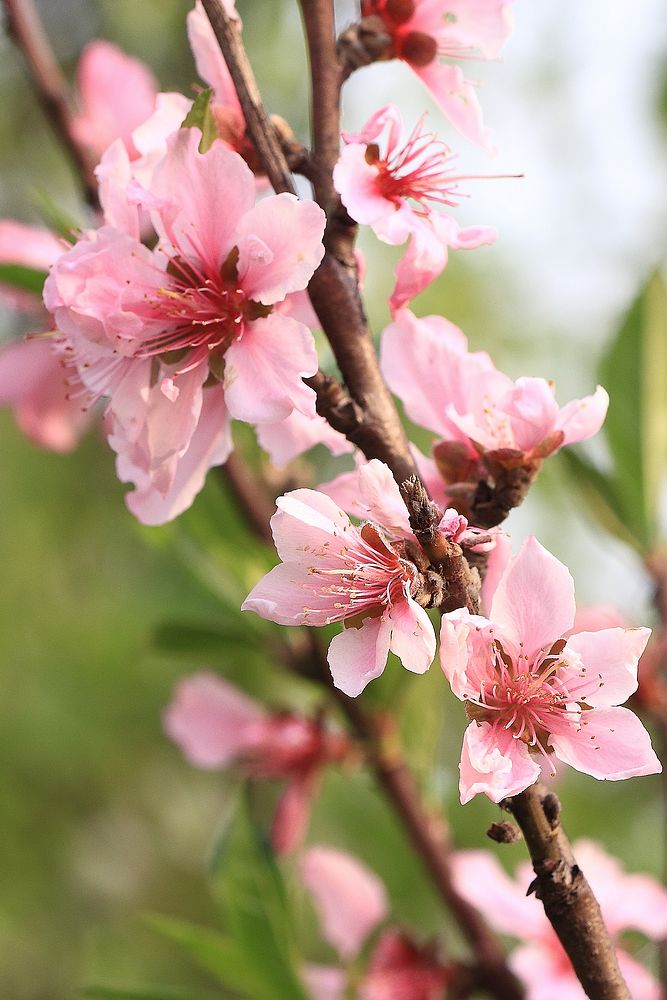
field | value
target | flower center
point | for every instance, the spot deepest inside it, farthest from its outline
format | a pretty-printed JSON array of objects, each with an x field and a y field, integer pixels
[
  {"x": 529, "y": 700},
  {"x": 203, "y": 313},
  {"x": 418, "y": 170}
]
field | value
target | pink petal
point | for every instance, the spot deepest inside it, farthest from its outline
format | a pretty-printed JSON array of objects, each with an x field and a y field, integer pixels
[
  {"x": 280, "y": 246},
  {"x": 582, "y": 418},
  {"x": 532, "y": 411},
  {"x": 211, "y": 720},
  {"x": 465, "y": 642},
  {"x": 210, "y": 445},
  {"x": 494, "y": 763},
  {"x": 497, "y": 562},
  {"x": 535, "y": 598},
  {"x": 290, "y": 822},
  {"x": 640, "y": 982},
  {"x": 202, "y": 197},
  {"x": 457, "y": 98},
  {"x": 481, "y": 24},
  {"x": 609, "y": 659},
  {"x": 358, "y": 655},
  {"x": 117, "y": 94},
  {"x": 546, "y": 972},
  {"x": 30, "y": 246},
  {"x": 598, "y": 616},
  {"x": 412, "y": 636},
  {"x": 284, "y": 596},
  {"x": 114, "y": 174},
  {"x": 422, "y": 262},
  {"x": 308, "y": 521},
  {"x": 211, "y": 66},
  {"x": 33, "y": 382},
  {"x": 325, "y": 982},
  {"x": 264, "y": 370},
  {"x": 350, "y": 899},
  {"x": 356, "y": 181},
  {"x": 480, "y": 879},
  {"x": 370, "y": 493},
  {"x": 610, "y": 744},
  {"x": 297, "y": 434}
]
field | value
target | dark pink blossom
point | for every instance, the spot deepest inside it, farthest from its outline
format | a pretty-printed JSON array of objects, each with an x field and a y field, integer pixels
[{"x": 424, "y": 31}]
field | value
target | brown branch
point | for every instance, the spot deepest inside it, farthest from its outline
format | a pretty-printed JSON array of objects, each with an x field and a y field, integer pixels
[
  {"x": 568, "y": 900},
  {"x": 27, "y": 31}
]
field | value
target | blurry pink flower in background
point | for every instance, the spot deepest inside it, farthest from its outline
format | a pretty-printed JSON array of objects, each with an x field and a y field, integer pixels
[
  {"x": 216, "y": 725},
  {"x": 333, "y": 571},
  {"x": 212, "y": 69},
  {"x": 422, "y": 31},
  {"x": 180, "y": 336},
  {"x": 117, "y": 94},
  {"x": 628, "y": 902},
  {"x": 351, "y": 902},
  {"x": 480, "y": 414},
  {"x": 531, "y": 692},
  {"x": 33, "y": 380},
  {"x": 391, "y": 190}
]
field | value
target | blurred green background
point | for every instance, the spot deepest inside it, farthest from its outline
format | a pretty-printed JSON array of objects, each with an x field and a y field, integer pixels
[{"x": 101, "y": 821}]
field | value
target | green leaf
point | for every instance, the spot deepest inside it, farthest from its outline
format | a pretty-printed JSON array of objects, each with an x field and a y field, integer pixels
[
  {"x": 254, "y": 901},
  {"x": 634, "y": 371},
  {"x": 55, "y": 217},
  {"x": 97, "y": 992},
  {"x": 599, "y": 492},
  {"x": 226, "y": 959},
  {"x": 28, "y": 279},
  {"x": 200, "y": 116}
]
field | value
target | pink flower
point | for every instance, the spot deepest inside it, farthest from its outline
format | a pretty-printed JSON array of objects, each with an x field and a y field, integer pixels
[
  {"x": 424, "y": 30},
  {"x": 117, "y": 94},
  {"x": 531, "y": 692},
  {"x": 333, "y": 571},
  {"x": 392, "y": 191},
  {"x": 628, "y": 902},
  {"x": 32, "y": 377},
  {"x": 212, "y": 69},
  {"x": 350, "y": 900},
  {"x": 181, "y": 337},
  {"x": 216, "y": 725},
  {"x": 482, "y": 417}
]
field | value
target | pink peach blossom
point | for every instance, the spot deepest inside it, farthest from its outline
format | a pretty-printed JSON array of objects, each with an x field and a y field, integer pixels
[
  {"x": 628, "y": 902},
  {"x": 424, "y": 30},
  {"x": 182, "y": 337},
  {"x": 532, "y": 689},
  {"x": 333, "y": 571},
  {"x": 393, "y": 191},
  {"x": 477, "y": 412},
  {"x": 117, "y": 94},
  {"x": 350, "y": 900},
  {"x": 216, "y": 725}
]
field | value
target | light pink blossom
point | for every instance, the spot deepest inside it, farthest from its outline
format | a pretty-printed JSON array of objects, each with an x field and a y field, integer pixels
[
  {"x": 532, "y": 689},
  {"x": 216, "y": 725},
  {"x": 628, "y": 902},
  {"x": 481, "y": 416},
  {"x": 422, "y": 31},
  {"x": 350, "y": 900},
  {"x": 393, "y": 190},
  {"x": 333, "y": 571},
  {"x": 182, "y": 337},
  {"x": 117, "y": 94}
]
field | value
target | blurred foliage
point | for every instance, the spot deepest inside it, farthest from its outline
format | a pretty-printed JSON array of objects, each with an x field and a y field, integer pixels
[{"x": 102, "y": 821}]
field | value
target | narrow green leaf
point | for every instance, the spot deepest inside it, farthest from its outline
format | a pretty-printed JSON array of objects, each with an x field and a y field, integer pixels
[
  {"x": 600, "y": 494},
  {"x": 218, "y": 954},
  {"x": 634, "y": 371},
  {"x": 200, "y": 116},
  {"x": 27, "y": 279},
  {"x": 55, "y": 217}
]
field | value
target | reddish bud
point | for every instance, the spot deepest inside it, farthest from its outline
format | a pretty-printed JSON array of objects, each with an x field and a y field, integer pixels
[
  {"x": 400, "y": 11},
  {"x": 418, "y": 49}
]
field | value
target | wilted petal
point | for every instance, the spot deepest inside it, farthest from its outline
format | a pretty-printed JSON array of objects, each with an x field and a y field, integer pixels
[{"x": 349, "y": 898}]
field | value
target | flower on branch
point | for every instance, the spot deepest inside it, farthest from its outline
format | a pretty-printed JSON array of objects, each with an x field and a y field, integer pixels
[
  {"x": 628, "y": 902},
  {"x": 423, "y": 31},
  {"x": 533, "y": 690},
  {"x": 394, "y": 189},
  {"x": 181, "y": 337},
  {"x": 488, "y": 425},
  {"x": 216, "y": 725},
  {"x": 334, "y": 571}
]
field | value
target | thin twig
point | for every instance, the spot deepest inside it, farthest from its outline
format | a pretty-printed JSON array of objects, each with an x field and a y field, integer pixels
[
  {"x": 568, "y": 900},
  {"x": 252, "y": 501},
  {"x": 27, "y": 31}
]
